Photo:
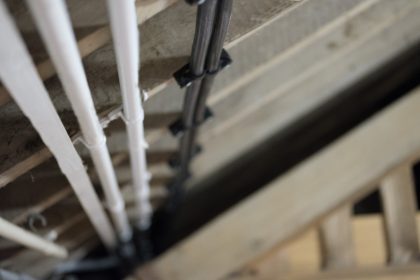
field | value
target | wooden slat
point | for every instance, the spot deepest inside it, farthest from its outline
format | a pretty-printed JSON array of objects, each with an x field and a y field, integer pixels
[
  {"x": 160, "y": 156},
  {"x": 59, "y": 195},
  {"x": 24, "y": 166},
  {"x": 43, "y": 205},
  {"x": 160, "y": 75},
  {"x": 341, "y": 173},
  {"x": 336, "y": 239},
  {"x": 399, "y": 206},
  {"x": 376, "y": 273},
  {"x": 98, "y": 38},
  {"x": 308, "y": 86},
  {"x": 304, "y": 256}
]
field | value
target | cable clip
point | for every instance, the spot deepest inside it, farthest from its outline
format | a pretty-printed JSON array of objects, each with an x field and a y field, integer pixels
[
  {"x": 225, "y": 61},
  {"x": 184, "y": 77},
  {"x": 178, "y": 127},
  {"x": 101, "y": 141},
  {"x": 35, "y": 217},
  {"x": 144, "y": 95},
  {"x": 110, "y": 117}
]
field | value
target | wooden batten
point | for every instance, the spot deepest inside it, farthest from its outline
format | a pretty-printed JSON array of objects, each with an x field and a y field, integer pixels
[
  {"x": 330, "y": 178},
  {"x": 336, "y": 240},
  {"x": 399, "y": 207}
]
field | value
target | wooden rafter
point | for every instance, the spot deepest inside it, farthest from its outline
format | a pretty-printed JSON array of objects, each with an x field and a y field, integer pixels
[{"x": 240, "y": 239}]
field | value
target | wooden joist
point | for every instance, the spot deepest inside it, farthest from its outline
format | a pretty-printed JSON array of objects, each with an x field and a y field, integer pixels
[
  {"x": 334, "y": 176},
  {"x": 154, "y": 77},
  {"x": 98, "y": 38},
  {"x": 303, "y": 257},
  {"x": 399, "y": 206},
  {"x": 336, "y": 240},
  {"x": 303, "y": 88},
  {"x": 376, "y": 273}
]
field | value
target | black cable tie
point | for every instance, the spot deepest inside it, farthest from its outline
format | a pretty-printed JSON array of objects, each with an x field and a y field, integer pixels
[
  {"x": 225, "y": 60},
  {"x": 184, "y": 77},
  {"x": 178, "y": 127},
  {"x": 174, "y": 162}
]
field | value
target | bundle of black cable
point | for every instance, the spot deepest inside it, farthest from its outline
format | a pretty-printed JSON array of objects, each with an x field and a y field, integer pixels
[{"x": 207, "y": 59}]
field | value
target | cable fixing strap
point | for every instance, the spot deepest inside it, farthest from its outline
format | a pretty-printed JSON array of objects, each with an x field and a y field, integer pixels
[
  {"x": 178, "y": 127},
  {"x": 184, "y": 76},
  {"x": 144, "y": 94},
  {"x": 97, "y": 143},
  {"x": 225, "y": 61}
]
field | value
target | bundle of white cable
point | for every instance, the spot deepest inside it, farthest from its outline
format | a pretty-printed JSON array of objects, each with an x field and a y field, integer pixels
[
  {"x": 54, "y": 24},
  {"x": 20, "y": 77},
  {"x": 126, "y": 42}
]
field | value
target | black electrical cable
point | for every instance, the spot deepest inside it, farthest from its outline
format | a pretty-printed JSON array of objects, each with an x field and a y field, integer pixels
[
  {"x": 212, "y": 23},
  {"x": 221, "y": 24},
  {"x": 224, "y": 12},
  {"x": 202, "y": 38},
  {"x": 204, "y": 28}
]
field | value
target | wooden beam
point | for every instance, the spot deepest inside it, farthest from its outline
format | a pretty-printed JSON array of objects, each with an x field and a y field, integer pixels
[
  {"x": 170, "y": 57},
  {"x": 302, "y": 256},
  {"x": 24, "y": 166},
  {"x": 59, "y": 195},
  {"x": 399, "y": 206},
  {"x": 98, "y": 38},
  {"x": 257, "y": 121},
  {"x": 336, "y": 240},
  {"x": 376, "y": 273},
  {"x": 305, "y": 255},
  {"x": 354, "y": 163}
]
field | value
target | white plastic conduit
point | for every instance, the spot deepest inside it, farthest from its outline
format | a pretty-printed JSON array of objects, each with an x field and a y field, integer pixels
[
  {"x": 54, "y": 24},
  {"x": 12, "y": 232},
  {"x": 126, "y": 42},
  {"x": 8, "y": 275},
  {"x": 19, "y": 75}
]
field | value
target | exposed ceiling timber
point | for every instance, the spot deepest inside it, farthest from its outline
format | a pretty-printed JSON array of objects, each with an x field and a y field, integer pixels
[
  {"x": 242, "y": 240},
  {"x": 292, "y": 60}
]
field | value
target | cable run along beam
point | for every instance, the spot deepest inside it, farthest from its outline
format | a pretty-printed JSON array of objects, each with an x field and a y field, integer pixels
[
  {"x": 19, "y": 76},
  {"x": 213, "y": 18},
  {"x": 221, "y": 25},
  {"x": 55, "y": 27},
  {"x": 126, "y": 44},
  {"x": 203, "y": 30}
]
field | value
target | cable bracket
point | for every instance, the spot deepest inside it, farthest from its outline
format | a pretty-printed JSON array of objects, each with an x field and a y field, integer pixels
[
  {"x": 225, "y": 61},
  {"x": 184, "y": 76},
  {"x": 178, "y": 127}
]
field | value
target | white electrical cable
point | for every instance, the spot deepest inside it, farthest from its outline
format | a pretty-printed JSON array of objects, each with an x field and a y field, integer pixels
[
  {"x": 20, "y": 77},
  {"x": 126, "y": 42},
  {"x": 54, "y": 24},
  {"x": 12, "y": 232},
  {"x": 8, "y": 275}
]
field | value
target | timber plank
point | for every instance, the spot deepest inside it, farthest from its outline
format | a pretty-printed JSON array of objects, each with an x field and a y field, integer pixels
[
  {"x": 399, "y": 205},
  {"x": 230, "y": 241}
]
